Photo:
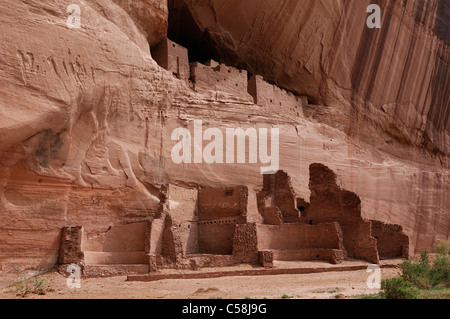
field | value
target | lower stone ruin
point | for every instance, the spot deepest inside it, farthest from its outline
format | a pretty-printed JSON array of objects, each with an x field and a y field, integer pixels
[{"x": 197, "y": 228}]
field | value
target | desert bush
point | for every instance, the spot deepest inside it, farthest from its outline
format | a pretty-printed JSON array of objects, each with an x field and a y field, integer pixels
[
  {"x": 399, "y": 288},
  {"x": 419, "y": 278},
  {"x": 35, "y": 285},
  {"x": 441, "y": 247},
  {"x": 439, "y": 274},
  {"x": 417, "y": 272}
]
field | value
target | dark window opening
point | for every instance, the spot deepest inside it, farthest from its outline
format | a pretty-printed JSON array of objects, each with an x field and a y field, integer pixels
[{"x": 301, "y": 208}]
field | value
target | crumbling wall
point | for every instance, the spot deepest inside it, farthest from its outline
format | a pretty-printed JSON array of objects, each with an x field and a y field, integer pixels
[
  {"x": 278, "y": 192},
  {"x": 328, "y": 203},
  {"x": 71, "y": 245},
  {"x": 172, "y": 57},
  {"x": 265, "y": 258},
  {"x": 219, "y": 210},
  {"x": 183, "y": 211},
  {"x": 299, "y": 236},
  {"x": 220, "y": 78},
  {"x": 391, "y": 241},
  {"x": 216, "y": 237},
  {"x": 222, "y": 227},
  {"x": 334, "y": 256},
  {"x": 129, "y": 237},
  {"x": 172, "y": 247},
  {"x": 252, "y": 214},
  {"x": 292, "y": 242},
  {"x": 363, "y": 244},
  {"x": 245, "y": 249},
  {"x": 156, "y": 236},
  {"x": 121, "y": 244},
  {"x": 273, "y": 97},
  {"x": 273, "y": 216},
  {"x": 219, "y": 203}
]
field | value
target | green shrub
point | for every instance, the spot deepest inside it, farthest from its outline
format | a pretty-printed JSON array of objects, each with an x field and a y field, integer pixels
[
  {"x": 439, "y": 273},
  {"x": 35, "y": 285},
  {"x": 419, "y": 279},
  {"x": 399, "y": 288},
  {"x": 441, "y": 247},
  {"x": 417, "y": 273}
]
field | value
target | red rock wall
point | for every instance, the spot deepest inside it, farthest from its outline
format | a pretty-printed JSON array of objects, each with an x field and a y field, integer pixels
[
  {"x": 86, "y": 115},
  {"x": 391, "y": 79}
]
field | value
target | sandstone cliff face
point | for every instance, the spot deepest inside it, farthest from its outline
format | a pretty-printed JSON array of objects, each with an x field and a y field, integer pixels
[
  {"x": 394, "y": 79},
  {"x": 86, "y": 115}
]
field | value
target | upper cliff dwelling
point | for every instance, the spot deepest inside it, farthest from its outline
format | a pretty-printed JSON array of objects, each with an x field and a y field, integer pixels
[{"x": 191, "y": 54}]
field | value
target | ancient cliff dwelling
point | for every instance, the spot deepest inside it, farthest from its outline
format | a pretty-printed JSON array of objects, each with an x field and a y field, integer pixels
[{"x": 323, "y": 141}]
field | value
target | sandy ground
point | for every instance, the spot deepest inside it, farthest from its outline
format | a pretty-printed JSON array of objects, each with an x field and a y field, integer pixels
[{"x": 306, "y": 286}]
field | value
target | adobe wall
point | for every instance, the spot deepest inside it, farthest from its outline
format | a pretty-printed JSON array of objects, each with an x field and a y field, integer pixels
[
  {"x": 273, "y": 216},
  {"x": 220, "y": 78},
  {"x": 123, "y": 244},
  {"x": 299, "y": 236},
  {"x": 252, "y": 213},
  {"x": 334, "y": 256},
  {"x": 245, "y": 248},
  {"x": 71, "y": 241},
  {"x": 183, "y": 211},
  {"x": 172, "y": 247},
  {"x": 359, "y": 240},
  {"x": 156, "y": 236},
  {"x": 172, "y": 57},
  {"x": 271, "y": 96},
  {"x": 118, "y": 239},
  {"x": 216, "y": 237},
  {"x": 391, "y": 241},
  {"x": 278, "y": 192},
  {"x": 219, "y": 203},
  {"x": 195, "y": 262},
  {"x": 115, "y": 258},
  {"x": 328, "y": 202}
]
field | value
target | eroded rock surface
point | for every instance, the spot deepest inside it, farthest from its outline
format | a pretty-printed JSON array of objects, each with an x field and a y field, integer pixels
[
  {"x": 394, "y": 79},
  {"x": 86, "y": 115}
]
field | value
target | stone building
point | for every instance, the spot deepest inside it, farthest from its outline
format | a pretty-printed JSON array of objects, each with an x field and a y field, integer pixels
[{"x": 219, "y": 227}]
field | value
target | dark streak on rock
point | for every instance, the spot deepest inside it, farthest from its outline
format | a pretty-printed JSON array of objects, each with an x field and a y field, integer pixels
[{"x": 48, "y": 146}]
